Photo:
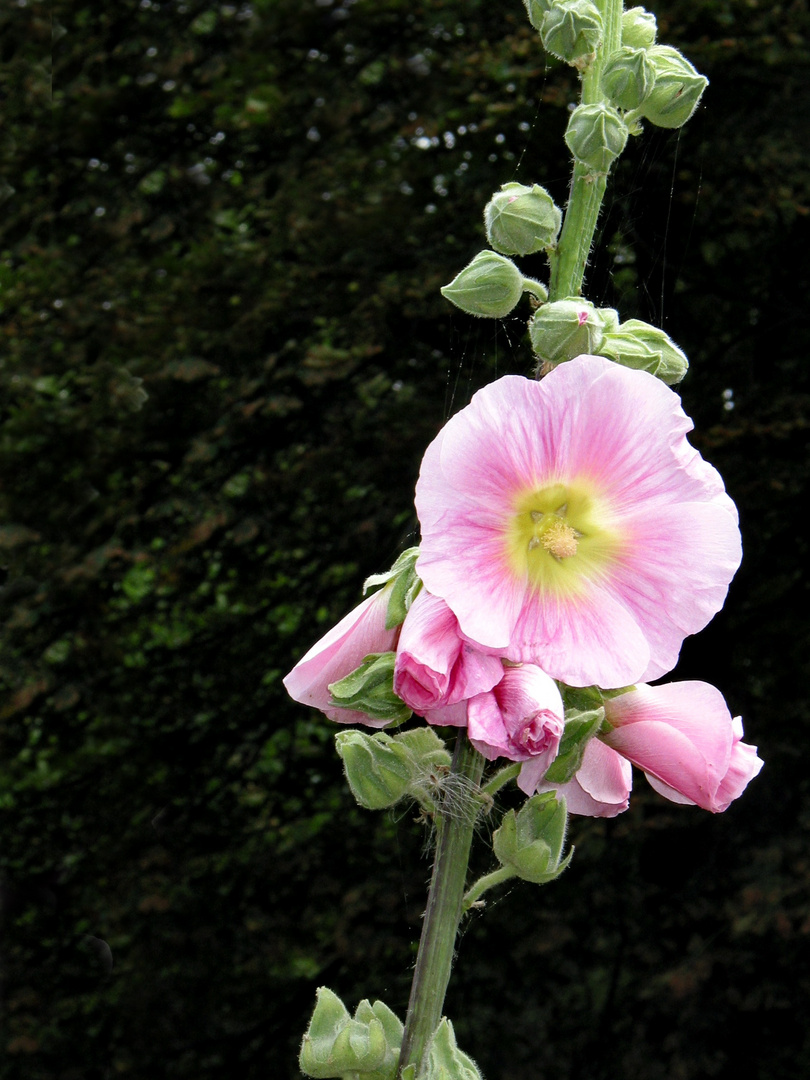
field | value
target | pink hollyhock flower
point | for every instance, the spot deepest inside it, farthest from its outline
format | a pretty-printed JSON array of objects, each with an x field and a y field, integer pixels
[
  {"x": 435, "y": 667},
  {"x": 568, "y": 523},
  {"x": 522, "y": 718},
  {"x": 684, "y": 738},
  {"x": 338, "y": 653},
  {"x": 600, "y": 788}
]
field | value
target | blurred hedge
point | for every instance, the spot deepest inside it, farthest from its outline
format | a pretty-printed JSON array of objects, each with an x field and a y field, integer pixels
[{"x": 245, "y": 212}]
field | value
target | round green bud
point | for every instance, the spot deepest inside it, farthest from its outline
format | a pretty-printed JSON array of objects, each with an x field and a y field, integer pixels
[
  {"x": 677, "y": 91},
  {"x": 639, "y": 28},
  {"x": 638, "y": 344},
  {"x": 536, "y": 9},
  {"x": 520, "y": 220},
  {"x": 564, "y": 329},
  {"x": 628, "y": 77},
  {"x": 490, "y": 286},
  {"x": 572, "y": 30},
  {"x": 596, "y": 135}
]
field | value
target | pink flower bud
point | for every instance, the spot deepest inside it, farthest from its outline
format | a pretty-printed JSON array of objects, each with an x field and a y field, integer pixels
[
  {"x": 683, "y": 736},
  {"x": 522, "y": 718}
]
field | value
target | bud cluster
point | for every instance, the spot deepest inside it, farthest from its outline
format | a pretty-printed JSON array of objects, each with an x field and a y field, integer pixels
[
  {"x": 339, "y": 1045},
  {"x": 572, "y": 327}
]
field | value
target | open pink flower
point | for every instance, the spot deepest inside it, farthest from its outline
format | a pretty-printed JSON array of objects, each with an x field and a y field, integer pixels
[
  {"x": 522, "y": 718},
  {"x": 600, "y": 788},
  {"x": 338, "y": 653},
  {"x": 568, "y": 523},
  {"x": 684, "y": 738},
  {"x": 435, "y": 667}
]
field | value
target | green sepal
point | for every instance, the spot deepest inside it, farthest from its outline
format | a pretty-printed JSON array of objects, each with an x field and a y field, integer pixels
[
  {"x": 404, "y": 586},
  {"x": 520, "y": 219},
  {"x": 580, "y": 728},
  {"x": 337, "y": 1045},
  {"x": 639, "y": 28},
  {"x": 530, "y": 842},
  {"x": 536, "y": 10},
  {"x": 491, "y": 285},
  {"x": 628, "y": 77},
  {"x": 596, "y": 135},
  {"x": 569, "y": 327},
  {"x": 444, "y": 1060},
  {"x": 382, "y": 769},
  {"x": 637, "y": 344},
  {"x": 370, "y": 689},
  {"x": 572, "y": 30},
  {"x": 677, "y": 91}
]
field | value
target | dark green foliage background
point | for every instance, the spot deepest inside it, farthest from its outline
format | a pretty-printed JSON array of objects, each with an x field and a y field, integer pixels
[{"x": 251, "y": 208}]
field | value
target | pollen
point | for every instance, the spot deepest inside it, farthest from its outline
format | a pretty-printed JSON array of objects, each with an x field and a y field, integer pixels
[{"x": 560, "y": 540}]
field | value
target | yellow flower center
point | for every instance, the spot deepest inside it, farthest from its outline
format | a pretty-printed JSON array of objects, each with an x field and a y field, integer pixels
[{"x": 559, "y": 535}]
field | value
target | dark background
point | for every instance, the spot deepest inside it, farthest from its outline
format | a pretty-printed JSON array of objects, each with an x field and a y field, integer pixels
[{"x": 251, "y": 208}]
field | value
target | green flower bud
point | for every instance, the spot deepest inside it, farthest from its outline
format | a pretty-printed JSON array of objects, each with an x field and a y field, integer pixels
[
  {"x": 639, "y": 28},
  {"x": 536, "y": 9},
  {"x": 580, "y": 728},
  {"x": 444, "y": 1060},
  {"x": 572, "y": 30},
  {"x": 628, "y": 78},
  {"x": 370, "y": 689},
  {"x": 490, "y": 286},
  {"x": 677, "y": 91},
  {"x": 378, "y": 775},
  {"x": 406, "y": 585},
  {"x": 336, "y": 1044},
  {"x": 637, "y": 344},
  {"x": 382, "y": 769},
  {"x": 520, "y": 220},
  {"x": 567, "y": 328},
  {"x": 530, "y": 842},
  {"x": 596, "y": 135}
]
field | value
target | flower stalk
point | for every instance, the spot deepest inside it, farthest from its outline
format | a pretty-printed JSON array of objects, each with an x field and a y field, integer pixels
[{"x": 455, "y": 823}]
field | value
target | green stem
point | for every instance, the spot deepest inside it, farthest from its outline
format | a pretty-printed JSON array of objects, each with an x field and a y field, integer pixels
[
  {"x": 501, "y": 777},
  {"x": 504, "y": 873},
  {"x": 587, "y": 191},
  {"x": 455, "y": 824}
]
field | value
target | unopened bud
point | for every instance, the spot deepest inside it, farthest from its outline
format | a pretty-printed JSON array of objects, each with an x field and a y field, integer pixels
[
  {"x": 520, "y": 220},
  {"x": 639, "y": 28},
  {"x": 572, "y": 30},
  {"x": 637, "y": 344},
  {"x": 567, "y": 328},
  {"x": 378, "y": 776},
  {"x": 370, "y": 689},
  {"x": 628, "y": 78},
  {"x": 382, "y": 769},
  {"x": 490, "y": 285},
  {"x": 536, "y": 10},
  {"x": 530, "y": 842},
  {"x": 596, "y": 135},
  {"x": 677, "y": 91}
]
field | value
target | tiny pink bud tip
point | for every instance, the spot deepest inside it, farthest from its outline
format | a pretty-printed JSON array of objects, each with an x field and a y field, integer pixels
[{"x": 582, "y": 318}]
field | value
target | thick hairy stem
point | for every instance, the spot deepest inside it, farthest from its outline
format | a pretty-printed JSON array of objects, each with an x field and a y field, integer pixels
[{"x": 455, "y": 825}]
